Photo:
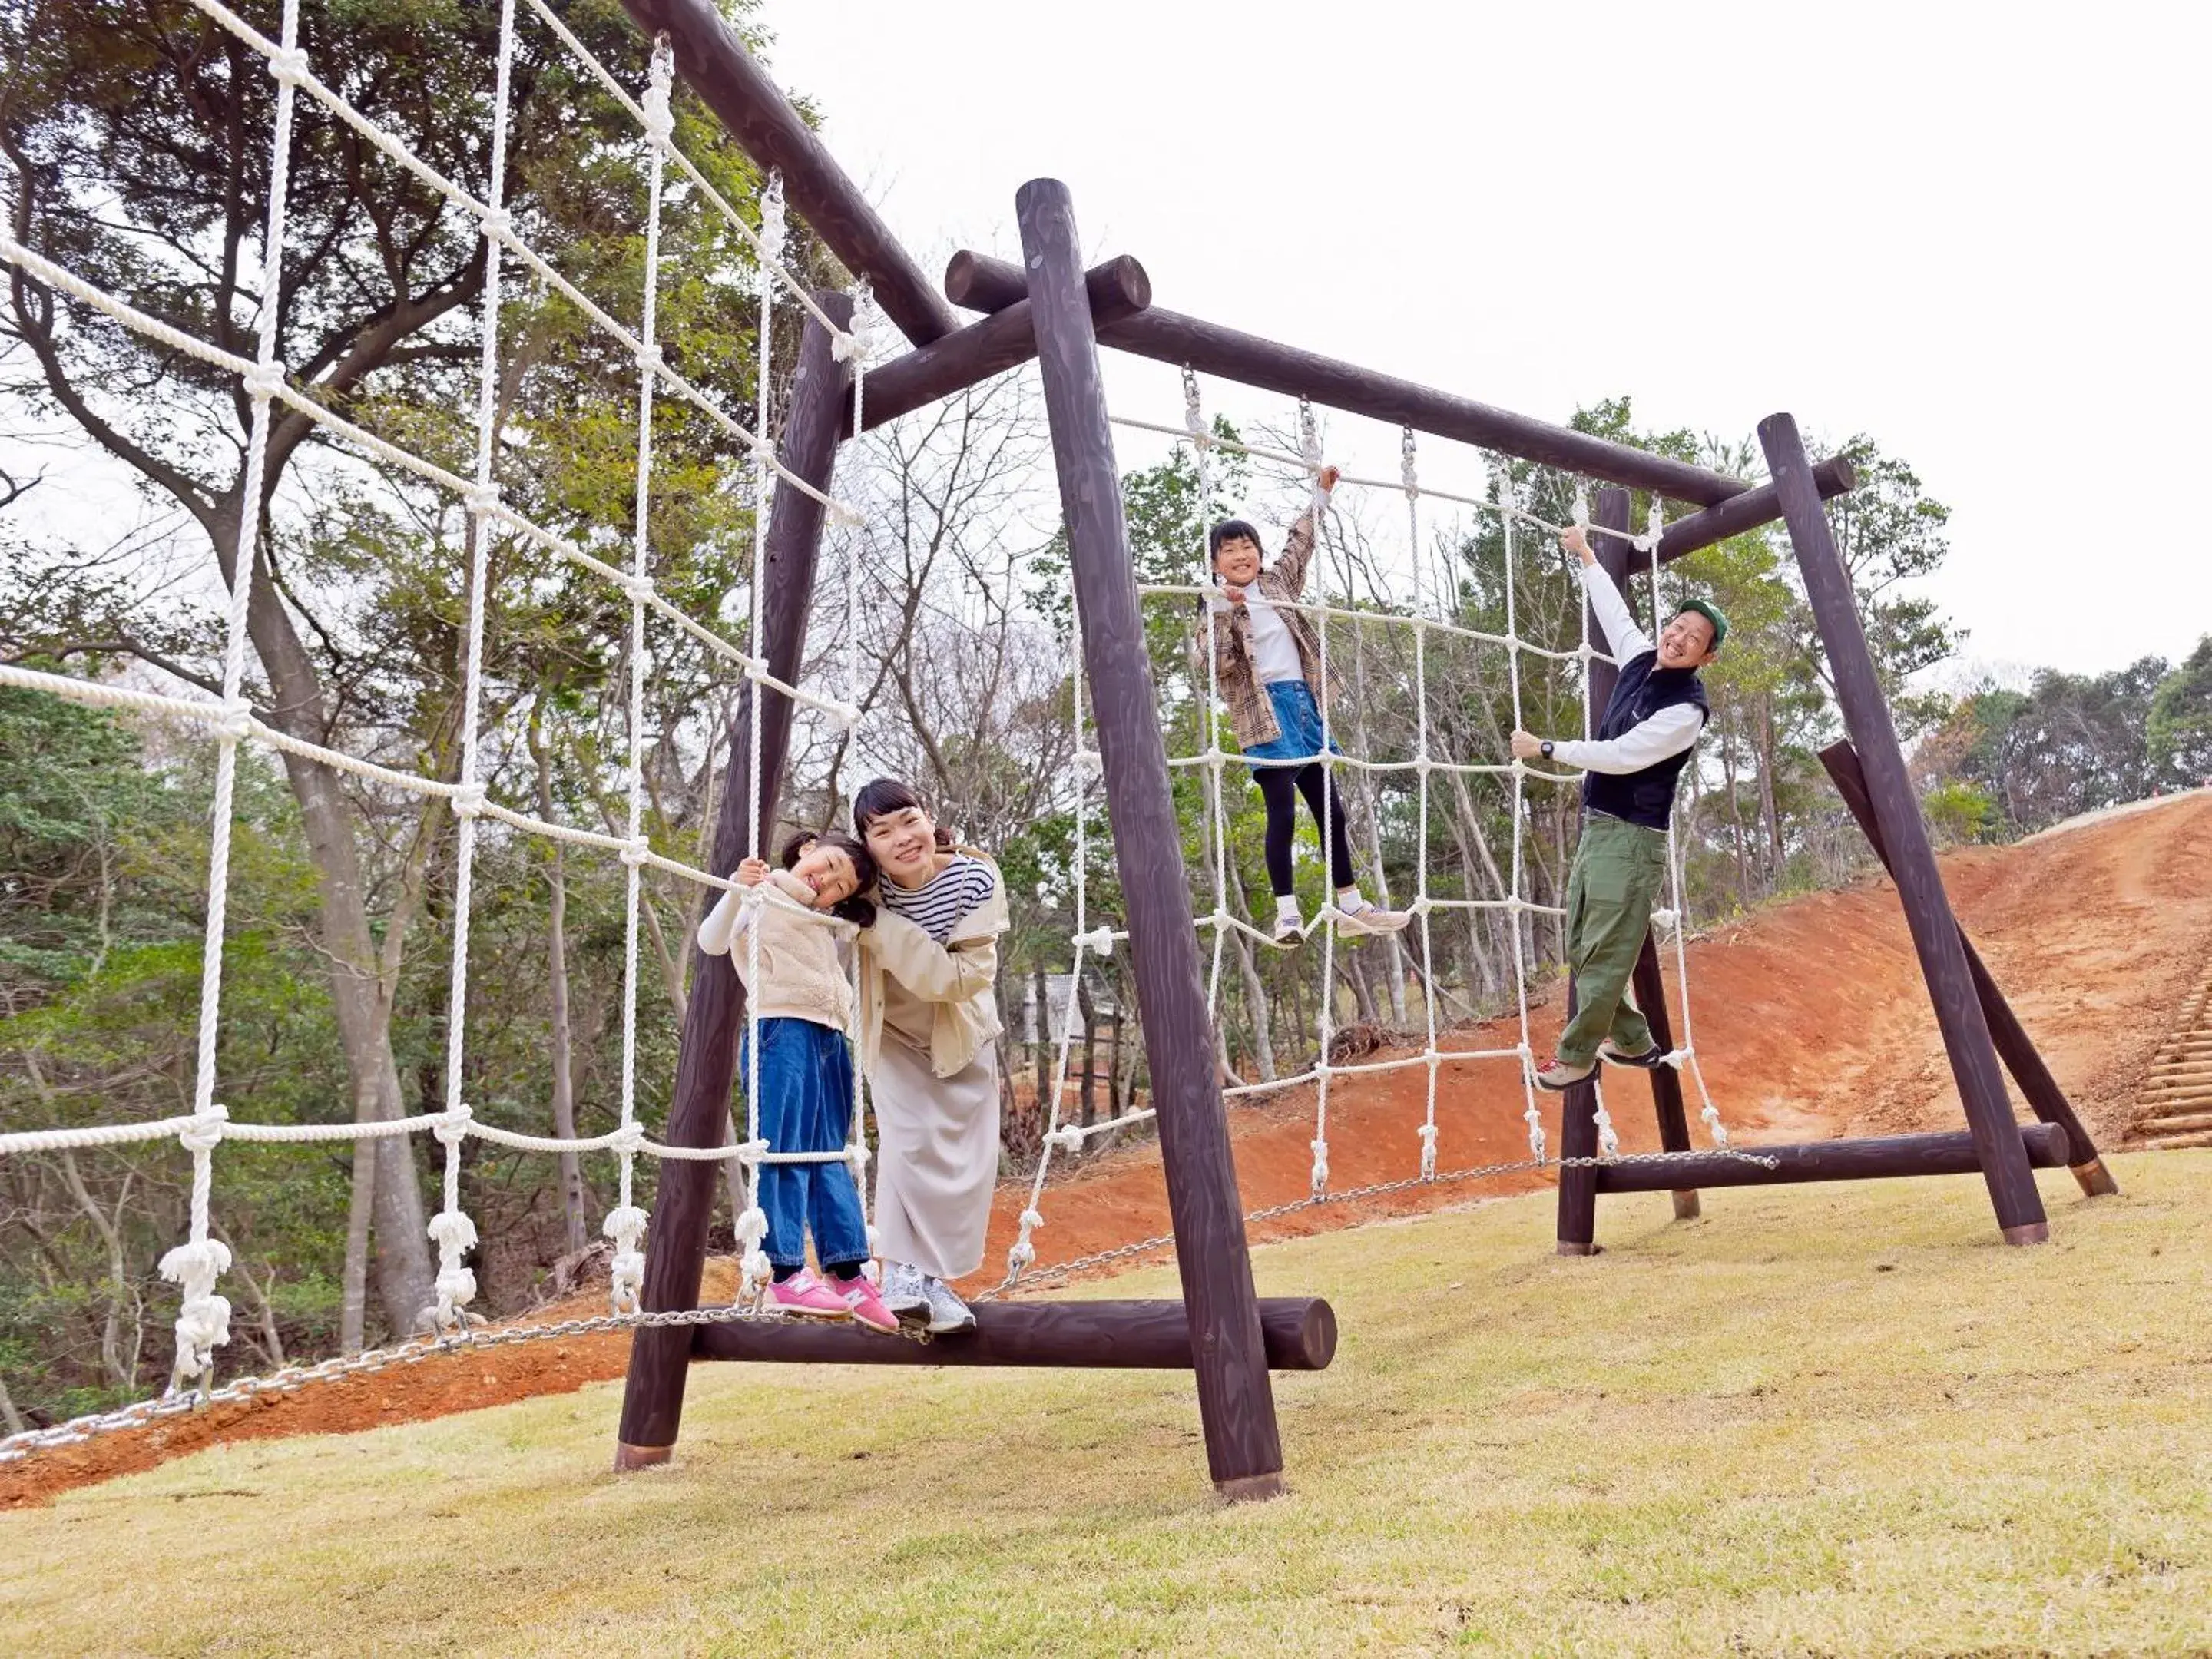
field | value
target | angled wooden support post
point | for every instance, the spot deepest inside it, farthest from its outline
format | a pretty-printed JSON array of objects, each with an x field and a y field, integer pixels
[
  {"x": 1935, "y": 937},
  {"x": 1236, "y": 1398},
  {"x": 653, "y": 1401},
  {"x": 2014, "y": 1047}
]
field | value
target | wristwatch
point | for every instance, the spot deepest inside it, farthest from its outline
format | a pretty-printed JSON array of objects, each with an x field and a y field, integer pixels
[{"x": 1544, "y": 749}]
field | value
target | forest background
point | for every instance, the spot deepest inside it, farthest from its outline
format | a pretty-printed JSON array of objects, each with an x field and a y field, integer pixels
[{"x": 136, "y": 152}]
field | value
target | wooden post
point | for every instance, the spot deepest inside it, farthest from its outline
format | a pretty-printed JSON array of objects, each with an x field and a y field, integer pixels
[
  {"x": 713, "y": 62},
  {"x": 1577, "y": 1218},
  {"x": 1235, "y": 1398},
  {"x": 2014, "y": 1047},
  {"x": 1953, "y": 1152},
  {"x": 1666, "y": 1081},
  {"x": 1299, "y": 1331},
  {"x": 653, "y": 1401},
  {"x": 2013, "y": 1193},
  {"x": 1118, "y": 289}
]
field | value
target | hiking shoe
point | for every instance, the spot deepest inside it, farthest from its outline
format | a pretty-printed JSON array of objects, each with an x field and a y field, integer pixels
[
  {"x": 1373, "y": 920},
  {"x": 948, "y": 1314},
  {"x": 903, "y": 1293},
  {"x": 1650, "y": 1061},
  {"x": 1289, "y": 931},
  {"x": 865, "y": 1306},
  {"x": 807, "y": 1296},
  {"x": 1559, "y": 1076}
]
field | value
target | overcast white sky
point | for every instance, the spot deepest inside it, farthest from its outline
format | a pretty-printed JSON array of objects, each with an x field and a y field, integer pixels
[{"x": 1977, "y": 233}]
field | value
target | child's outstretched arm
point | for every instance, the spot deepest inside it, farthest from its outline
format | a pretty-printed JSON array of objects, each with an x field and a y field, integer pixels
[{"x": 1298, "y": 546}]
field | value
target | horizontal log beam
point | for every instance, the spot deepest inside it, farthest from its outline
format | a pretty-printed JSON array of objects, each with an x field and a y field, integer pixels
[
  {"x": 1300, "y": 1333},
  {"x": 1118, "y": 289},
  {"x": 1754, "y": 507},
  {"x": 715, "y": 65},
  {"x": 983, "y": 283},
  {"x": 1873, "y": 1159}
]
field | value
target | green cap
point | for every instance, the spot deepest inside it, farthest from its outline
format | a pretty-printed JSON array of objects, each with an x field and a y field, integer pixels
[{"x": 1713, "y": 614}]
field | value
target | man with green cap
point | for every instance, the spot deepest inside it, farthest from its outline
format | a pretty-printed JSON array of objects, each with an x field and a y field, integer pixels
[{"x": 1650, "y": 729}]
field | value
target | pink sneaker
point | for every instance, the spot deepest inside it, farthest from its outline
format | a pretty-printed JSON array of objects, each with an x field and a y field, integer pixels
[
  {"x": 862, "y": 1299},
  {"x": 807, "y": 1297}
]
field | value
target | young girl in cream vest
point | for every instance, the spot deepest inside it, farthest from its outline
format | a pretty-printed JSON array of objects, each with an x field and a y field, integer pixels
[{"x": 805, "y": 1007}]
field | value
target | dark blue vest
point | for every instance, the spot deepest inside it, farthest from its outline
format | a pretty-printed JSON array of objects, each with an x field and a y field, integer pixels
[{"x": 1645, "y": 689}]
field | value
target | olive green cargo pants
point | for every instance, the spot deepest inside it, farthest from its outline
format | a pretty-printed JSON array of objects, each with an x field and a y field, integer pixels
[{"x": 1618, "y": 869}]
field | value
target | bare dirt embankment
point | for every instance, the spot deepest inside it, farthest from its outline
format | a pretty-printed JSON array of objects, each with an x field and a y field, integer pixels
[{"x": 1810, "y": 1021}]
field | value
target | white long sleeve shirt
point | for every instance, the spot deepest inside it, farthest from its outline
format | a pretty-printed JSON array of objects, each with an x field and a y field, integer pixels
[
  {"x": 1668, "y": 732},
  {"x": 1274, "y": 652}
]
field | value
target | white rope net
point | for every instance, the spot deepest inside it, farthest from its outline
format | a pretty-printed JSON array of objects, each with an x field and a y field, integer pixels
[
  {"x": 197, "y": 1264},
  {"x": 1417, "y": 609}
]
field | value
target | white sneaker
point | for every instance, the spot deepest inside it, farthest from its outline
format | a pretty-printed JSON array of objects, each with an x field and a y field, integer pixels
[
  {"x": 1371, "y": 919},
  {"x": 1289, "y": 931},
  {"x": 903, "y": 1290},
  {"x": 947, "y": 1313}
]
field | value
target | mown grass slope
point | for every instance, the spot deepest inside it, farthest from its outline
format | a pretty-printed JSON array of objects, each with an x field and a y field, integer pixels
[{"x": 1839, "y": 1421}]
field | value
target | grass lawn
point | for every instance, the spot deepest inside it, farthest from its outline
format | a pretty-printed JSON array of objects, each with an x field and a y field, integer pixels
[{"x": 1822, "y": 1420}]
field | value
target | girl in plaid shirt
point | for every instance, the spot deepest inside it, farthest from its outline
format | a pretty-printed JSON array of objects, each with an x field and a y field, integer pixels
[{"x": 1267, "y": 661}]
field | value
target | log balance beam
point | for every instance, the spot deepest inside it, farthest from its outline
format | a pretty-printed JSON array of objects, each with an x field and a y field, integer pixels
[
  {"x": 1299, "y": 1333},
  {"x": 1948, "y": 1153}
]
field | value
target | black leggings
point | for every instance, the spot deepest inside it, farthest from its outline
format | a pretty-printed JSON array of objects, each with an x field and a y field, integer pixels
[{"x": 1276, "y": 785}]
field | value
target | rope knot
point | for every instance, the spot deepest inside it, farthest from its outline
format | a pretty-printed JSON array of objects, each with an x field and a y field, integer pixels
[
  {"x": 635, "y": 854},
  {"x": 750, "y": 1152},
  {"x": 1582, "y": 510},
  {"x": 1019, "y": 1256},
  {"x": 237, "y": 723},
  {"x": 627, "y": 1139},
  {"x": 625, "y": 1225},
  {"x": 1031, "y": 1220},
  {"x": 1320, "y": 1167},
  {"x": 450, "y": 1130},
  {"x": 263, "y": 380},
  {"x": 288, "y": 65},
  {"x": 771, "y": 231},
  {"x": 649, "y": 359},
  {"x": 857, "y": 1156},
  {"x": 847, "y": 518},
  {"x": 206, "y": 1133},
  {"x": 1069, "y": 1139},
  {"x": 498, "y": 224},
  {"x": 1099, "y": 941},
  {"x": 468, "y": 801},
  {"x": 480, "y": 500}
]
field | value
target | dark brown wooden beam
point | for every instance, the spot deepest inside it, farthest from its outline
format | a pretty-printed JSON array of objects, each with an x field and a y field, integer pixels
[
  {"x": 1578, "y": 1210},
  {"x": 683, "y": 1199},
  {"x": 2014, "y": 1047},
  {"x": 987, "y": 284},
  {"x": 2013, "y": 1193},
  {"x": 1754, "y": 507},
  {"x": 1667, "y": 1104},
  {"x": 715, "y": 64},
  {"x": 2042, "y": 1145},
  {"x": 1236, "y": 1401},
  {"x": 1299, "y": 1332},
  {"x": 1005, "y": 339}
]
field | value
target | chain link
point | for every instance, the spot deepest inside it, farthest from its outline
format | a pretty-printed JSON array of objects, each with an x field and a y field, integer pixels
[
  {"x": 1061, "y": 1270},
  {"x": 292, "y": 1378}
]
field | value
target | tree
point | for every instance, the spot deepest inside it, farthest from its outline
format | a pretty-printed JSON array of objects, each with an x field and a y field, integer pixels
[
  {"x": 2181, "y": 724},
  {"x": 138, "y": 132}
]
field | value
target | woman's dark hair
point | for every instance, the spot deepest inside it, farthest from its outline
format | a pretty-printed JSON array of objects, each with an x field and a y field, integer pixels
[
  {"x": 1229, "y": 530},
  {"x": 854, "y": 908},
  {"x": 884, "y": 796}
]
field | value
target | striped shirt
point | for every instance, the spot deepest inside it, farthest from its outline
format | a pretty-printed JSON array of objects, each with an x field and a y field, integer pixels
[{"x": 937, "y": 906}]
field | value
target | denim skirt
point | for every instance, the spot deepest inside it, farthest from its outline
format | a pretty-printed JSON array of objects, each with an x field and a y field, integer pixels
[{"x": 1297, "y": 717}]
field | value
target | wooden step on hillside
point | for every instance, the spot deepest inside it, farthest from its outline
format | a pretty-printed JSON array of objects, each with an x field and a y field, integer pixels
[{"x": 2175, "y": 1106}]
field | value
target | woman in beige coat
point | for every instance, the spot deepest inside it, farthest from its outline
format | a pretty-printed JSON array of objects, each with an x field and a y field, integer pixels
[{"x": 929, "y": 1021}]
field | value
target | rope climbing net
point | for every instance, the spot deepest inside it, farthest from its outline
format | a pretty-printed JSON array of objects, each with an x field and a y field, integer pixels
[
  {"x": 197, "y": 1264},
  {"x": 1414, "y": 613}
]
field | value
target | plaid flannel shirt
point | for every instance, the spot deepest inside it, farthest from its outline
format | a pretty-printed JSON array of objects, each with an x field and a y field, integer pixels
[{"x": 1250, "y": 715}]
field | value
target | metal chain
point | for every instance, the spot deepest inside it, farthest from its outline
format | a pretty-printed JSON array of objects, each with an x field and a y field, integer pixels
[
  {"x": 292, "y": 1378},
  {"x": 1144, "y": 1246}
]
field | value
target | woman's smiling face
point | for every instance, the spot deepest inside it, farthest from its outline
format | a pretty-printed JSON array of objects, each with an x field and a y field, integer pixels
[{"x": 905, "y": 845}]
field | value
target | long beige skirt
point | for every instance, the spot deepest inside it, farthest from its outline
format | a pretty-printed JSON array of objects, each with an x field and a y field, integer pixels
[{"x": 937, "y": 1160}]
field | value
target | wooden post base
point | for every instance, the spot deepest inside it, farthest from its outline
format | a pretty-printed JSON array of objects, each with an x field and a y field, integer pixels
[
  {"x": 1575, "y": 1246},
  {"x": 2033, "y": 1232},
  {"x": 1253, "y": 1488},
  {"x": 2096, "y": 1181},
  {"x": 1686, "y": 1207},
  {"x": 628, "y": 1458}
]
